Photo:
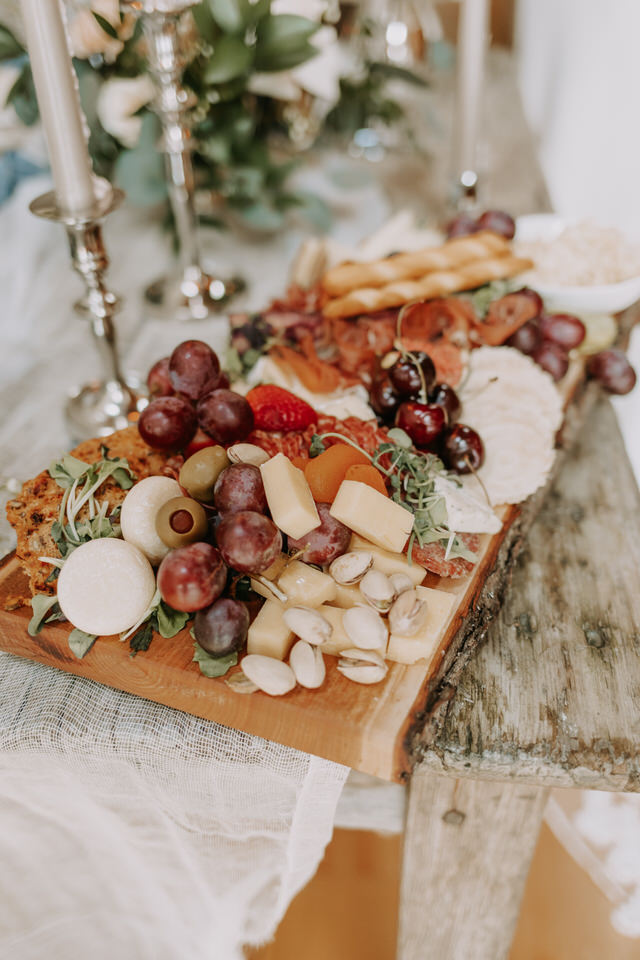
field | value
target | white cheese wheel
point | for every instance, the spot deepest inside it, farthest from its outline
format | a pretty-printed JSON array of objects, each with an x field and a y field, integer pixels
[
  {"x": 138, "y": 517},
  {"x": 105, "y": 586}
]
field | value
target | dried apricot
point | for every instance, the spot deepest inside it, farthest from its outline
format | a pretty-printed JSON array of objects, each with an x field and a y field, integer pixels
[
  {"x": 300, "y": 462},
  {"x": 366, "y": 473},
  {"x": 326, "y": 472}
]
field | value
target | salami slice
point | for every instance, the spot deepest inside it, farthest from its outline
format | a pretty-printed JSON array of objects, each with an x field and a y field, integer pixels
[{"x": 432, "y": 557}]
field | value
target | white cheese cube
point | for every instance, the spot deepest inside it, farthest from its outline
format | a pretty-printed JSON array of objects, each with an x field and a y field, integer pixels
[
  {"x": 347, "y": 595},
  {"x": 374, "y": 516},
  {"x": 423, "y": 645},
  {"x": 301, "y": 583},
  {"x": 289, "y": 497},
  {"x": 388, "y": 562},
  {"x": 269, "y": 634}
]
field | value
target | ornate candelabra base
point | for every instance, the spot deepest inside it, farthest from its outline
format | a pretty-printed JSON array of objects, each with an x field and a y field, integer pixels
[
  {"x": 100, "y": 407},
  {"x": 191, "y": 294}
]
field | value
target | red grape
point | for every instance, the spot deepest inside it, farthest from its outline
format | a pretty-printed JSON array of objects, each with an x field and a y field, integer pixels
[
  {"x": 463, "y": 450},
  {"x": 194, "y": 369},
  {"x": 515, "y": 308},
  {"x": 564, "y": 329},
  {"x": 384, "y": 399},
  {"x": 613, "y": 371},
  {"x": 424, "y": 422},
  {"x": 249, "y": 542},
  {"x": 328, "y": 541},
  {"x": 445, "y": 396},
  {"x": 158, "y": 381},
  {"x": 552, "y": 358},
  {"x": 526, "y": 338},
  {"x": 221, "y": 629},
  {"x": 498, "y": 222},
  {"x": 226, "y": 416},
  {"x": 168, "y": 423},
  {"x": 461, "y": 226},
  {"x": 240, "y": 487},
  {"x": 224, "y": 382},
  {"x": 192, "y": 577},
  {"x": 405, "y": 374}
]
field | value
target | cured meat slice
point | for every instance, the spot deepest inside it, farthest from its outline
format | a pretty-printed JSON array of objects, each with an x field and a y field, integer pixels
[{"x": 432, "y": 557}]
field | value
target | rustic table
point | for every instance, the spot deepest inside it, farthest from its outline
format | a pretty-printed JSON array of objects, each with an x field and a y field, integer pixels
[{"x": 550, "y": 698}]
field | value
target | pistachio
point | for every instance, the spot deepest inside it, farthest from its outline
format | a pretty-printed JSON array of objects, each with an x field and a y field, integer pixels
[
  {"x": 377, "y": 590},
  {"x": 408, "y": 614},
  {"x": 365, "y": 628},
  {"x": 362, "y": 666},
  {"x": 247, "y": 453},
  {"x": 308, "y": 624},
  {"x": 401, "y": 582},
  {"x": 307, "y": 664},
  {"x": 240, "y": 684},
  {"x": 269, "y": 675},
  {"x": 351, "y": 567}
]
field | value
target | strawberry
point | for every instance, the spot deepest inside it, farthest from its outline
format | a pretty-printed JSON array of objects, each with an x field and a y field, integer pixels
[{"x": 278, "y": 409}]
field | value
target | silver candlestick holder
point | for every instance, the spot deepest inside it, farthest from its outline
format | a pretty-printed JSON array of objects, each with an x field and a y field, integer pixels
[
  {"x": 193, "y": 292},
  {"x": 100, "y": 407}
]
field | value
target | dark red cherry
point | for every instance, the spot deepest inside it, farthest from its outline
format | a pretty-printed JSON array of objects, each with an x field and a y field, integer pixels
[
  {"x": 424, "y": 422},
  {"x": 445, "y": 396},
  {"x": 405, "y": 374},
  {"x": 462, "y": 449},
  {"x": 384, "y": 399}
]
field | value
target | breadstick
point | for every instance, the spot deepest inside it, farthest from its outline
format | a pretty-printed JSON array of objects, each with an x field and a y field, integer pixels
[
  {"x": 405, "y": 266},
  {"x": 438, "y": 284}
]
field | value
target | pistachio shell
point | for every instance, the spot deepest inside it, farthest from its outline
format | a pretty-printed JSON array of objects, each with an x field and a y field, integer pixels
[
  {"x": 351, "y": 567},
  {"x": 247, "y": 453},
  {"x": 307, "y": 664},
  {"x": 269, "y": 675},
  {"x": 362, "y": 666},
  {"x": 401, "y": 582},
  {"x": 377, "y": 590},
  {"x": 308, "y": 624},
  {"x": 365, "y": 628},
  {"x": 408, "y": 614}
]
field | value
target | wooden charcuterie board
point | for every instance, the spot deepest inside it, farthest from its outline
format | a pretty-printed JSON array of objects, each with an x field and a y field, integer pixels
[{"x": 367, "y": 728}]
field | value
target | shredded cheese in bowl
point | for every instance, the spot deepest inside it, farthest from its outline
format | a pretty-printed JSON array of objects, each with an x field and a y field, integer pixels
[{"x": 582, "y": 254}]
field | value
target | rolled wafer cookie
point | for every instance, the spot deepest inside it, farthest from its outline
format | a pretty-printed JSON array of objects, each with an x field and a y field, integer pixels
[
  {"x": 438, "y": 284},
  {"x": 346, "y": 277}
]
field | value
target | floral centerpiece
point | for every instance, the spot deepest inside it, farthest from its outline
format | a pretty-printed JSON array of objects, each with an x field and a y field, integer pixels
[{"x": 271, "y": 76}]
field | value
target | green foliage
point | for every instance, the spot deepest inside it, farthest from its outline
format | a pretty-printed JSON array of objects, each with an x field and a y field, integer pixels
[
  {"x": 9, "y": 46},
  {"x": 22, "y": 97},
  {"x": 212, "y": 666}
]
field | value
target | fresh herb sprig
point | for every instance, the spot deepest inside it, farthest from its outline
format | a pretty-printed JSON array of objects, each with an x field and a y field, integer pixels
[{"x": 158, "y": 617}]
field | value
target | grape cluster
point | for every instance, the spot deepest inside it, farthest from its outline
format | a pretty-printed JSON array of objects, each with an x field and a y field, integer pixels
[
  {"x": 408, "y": 396},
  {"x": 188, "y": 392},
  {"x": 547, "y": 339},
  {"x": 495, "y": 220}
]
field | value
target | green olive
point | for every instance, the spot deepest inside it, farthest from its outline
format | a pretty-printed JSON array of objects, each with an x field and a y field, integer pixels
[
  {"x": 180, "y": 521},
  {"x": 200, "y": 472}
]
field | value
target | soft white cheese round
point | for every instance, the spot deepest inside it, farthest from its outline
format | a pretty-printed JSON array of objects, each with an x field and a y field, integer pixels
[
  {"x": 105, "y": 586},
  {"x": 138, "y": 517}
]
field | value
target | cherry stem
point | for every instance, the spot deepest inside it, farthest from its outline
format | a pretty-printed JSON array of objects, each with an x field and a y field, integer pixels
[
  {"x": 475, "y": 474},
  {"x": 406, "y": 354}
]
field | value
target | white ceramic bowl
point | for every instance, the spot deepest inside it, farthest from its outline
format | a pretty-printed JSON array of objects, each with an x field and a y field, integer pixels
[{"x": 602, "y": 298}]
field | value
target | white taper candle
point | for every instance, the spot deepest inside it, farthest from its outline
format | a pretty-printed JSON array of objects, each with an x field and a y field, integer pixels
[
  {"x": 470, "y": 60},
  {"x": 59, "y": 102}
]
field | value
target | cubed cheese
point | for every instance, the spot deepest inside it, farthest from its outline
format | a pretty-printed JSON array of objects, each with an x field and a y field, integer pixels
[
  {"x": 368, "y": 512},
  {"x": 347, "y": 595},
  {"x": 269, "y": 634},
  {"x": 301, "y": 583},
  {"x": 388, "y": 562},
  {"x": 339, "y": 640},
  {"x": 289, "y": 497},
  {"x": 424, "y": 644}
]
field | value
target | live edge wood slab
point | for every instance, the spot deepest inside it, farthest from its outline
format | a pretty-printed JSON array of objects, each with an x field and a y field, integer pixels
[{"x": 371, "y": 729}]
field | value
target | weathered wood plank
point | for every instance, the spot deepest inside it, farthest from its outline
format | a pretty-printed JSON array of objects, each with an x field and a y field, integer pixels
[
  {"x": 552, "y": 697},
  {"x": 468, "y": 847}
]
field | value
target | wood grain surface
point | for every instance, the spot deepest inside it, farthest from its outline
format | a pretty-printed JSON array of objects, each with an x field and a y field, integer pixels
[{"x": 553, "y": 695}]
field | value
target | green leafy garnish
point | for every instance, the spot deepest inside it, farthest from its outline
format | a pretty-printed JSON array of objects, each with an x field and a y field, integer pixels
[
  {"x": 212, "y": 666},
  {"x": 81, "y": 642},
  {"x": 158, "y": 616},
  {"x": 46, "y": 609},
  {"x": 482, "y": 298},
  {"x": 169, "y": 622},
  {"x": 141, "y": 639}
]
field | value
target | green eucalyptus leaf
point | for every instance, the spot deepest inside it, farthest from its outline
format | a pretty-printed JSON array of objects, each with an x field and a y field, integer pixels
[
  {"x": 81, "y": 642},
  {"x": 231, "y": 58},
  {"x": 105, "y": 25},
  {"x": 203, "y": 16},
  {"x": 22, "y": 97},
  {"x": 231, "y": 15},
  {"x": 212, "y": 666},
  {"x": 391, "y": 72},
  {"x": 140, "y": 172},
  {"x": 170, "y": 621},
  {"x": 45, "y": 609},
  {"x": 274, "y": 60},
  {"x": 9, "y": 46},
  {"x": 262, "y": 217},
  {"x": 316, "y": 210},
  {"x": 284, "y": 31}
]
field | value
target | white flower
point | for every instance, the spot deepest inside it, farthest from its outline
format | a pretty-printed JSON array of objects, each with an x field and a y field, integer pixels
[
  {"x": 87, "y": 37},
  {"x": 118, "y": 100},
  {"x": 319, "y": 76}
]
